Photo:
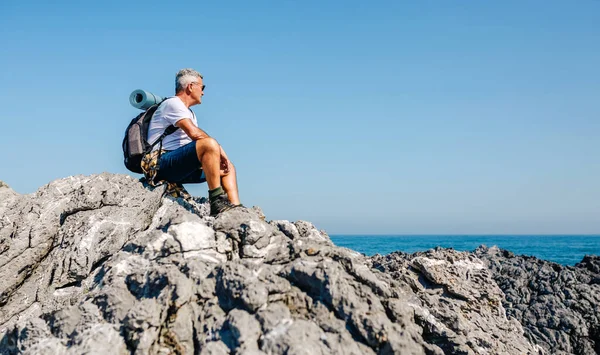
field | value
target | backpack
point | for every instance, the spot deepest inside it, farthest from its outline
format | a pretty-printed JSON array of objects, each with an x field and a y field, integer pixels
[{"x": 135, "y": 143}]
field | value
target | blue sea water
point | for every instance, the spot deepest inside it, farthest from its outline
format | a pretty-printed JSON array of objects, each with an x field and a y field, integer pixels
[{"x": 563, "y": 249}]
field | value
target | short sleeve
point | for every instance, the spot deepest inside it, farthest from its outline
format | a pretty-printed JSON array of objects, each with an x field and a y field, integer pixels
[{"x": 174, "y": 110}]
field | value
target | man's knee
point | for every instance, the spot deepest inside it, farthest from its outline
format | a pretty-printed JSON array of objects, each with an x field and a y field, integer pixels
[{"x": 208, "y": 144}]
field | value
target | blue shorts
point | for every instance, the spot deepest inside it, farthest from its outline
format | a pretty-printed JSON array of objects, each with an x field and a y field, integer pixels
[{"x": 181, "y": 166}]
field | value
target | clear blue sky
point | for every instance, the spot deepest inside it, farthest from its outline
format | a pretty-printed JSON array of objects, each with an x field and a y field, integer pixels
[{"x": 362, "y": 117}]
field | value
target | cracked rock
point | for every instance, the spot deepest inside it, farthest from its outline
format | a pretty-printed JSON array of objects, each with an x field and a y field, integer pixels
[{"x": 102, "y": 264}]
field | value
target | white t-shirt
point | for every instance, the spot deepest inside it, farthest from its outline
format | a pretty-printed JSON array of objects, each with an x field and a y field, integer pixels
[{"x": 167, "y": 114}]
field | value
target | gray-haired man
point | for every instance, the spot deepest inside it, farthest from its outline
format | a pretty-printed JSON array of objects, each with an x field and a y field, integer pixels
[{"x": 189, "y": 155}]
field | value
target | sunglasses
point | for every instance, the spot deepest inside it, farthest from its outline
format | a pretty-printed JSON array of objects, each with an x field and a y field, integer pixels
[{"x": 195, "y": 82}]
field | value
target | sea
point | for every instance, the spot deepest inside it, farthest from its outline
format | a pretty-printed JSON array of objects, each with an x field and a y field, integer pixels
[{"x": 562, "y": 249}]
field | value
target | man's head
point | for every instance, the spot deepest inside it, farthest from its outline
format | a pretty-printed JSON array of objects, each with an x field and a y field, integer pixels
[{"x": 189, "y": 84}]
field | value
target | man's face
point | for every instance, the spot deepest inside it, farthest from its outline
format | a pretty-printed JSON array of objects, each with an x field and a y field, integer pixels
[{"x": 197, "y": 90}]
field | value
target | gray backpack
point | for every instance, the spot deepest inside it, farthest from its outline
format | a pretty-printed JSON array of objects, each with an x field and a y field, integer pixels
[{"x": 135, "y": 144}]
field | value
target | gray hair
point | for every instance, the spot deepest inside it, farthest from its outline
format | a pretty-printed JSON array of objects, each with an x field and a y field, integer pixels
[{"x": 184, "y": 77}]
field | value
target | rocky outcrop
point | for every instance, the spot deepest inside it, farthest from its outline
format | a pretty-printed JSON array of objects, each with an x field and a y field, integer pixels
[
  {"x": 455, "y": 302},
  {"x": 559, "y": 306},
  {"x": 101, "y": 265}
]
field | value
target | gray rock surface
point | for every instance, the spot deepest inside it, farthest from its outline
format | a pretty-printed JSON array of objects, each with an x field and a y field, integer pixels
[
  {"x": 455, "y": 301},
  {"x": 559, "y": 306},
  {"x": 102, "y": 265}
]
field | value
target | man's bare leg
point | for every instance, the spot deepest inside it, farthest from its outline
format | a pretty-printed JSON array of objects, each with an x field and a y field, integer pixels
[
  {"x": 209, "y": 154},
  {"x": 229, "y": 182}
]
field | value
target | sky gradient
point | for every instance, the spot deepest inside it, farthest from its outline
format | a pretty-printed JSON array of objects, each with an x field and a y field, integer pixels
[{"x": 384, "y": 117}]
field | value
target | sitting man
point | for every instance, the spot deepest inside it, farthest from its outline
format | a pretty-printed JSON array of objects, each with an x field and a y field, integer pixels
[{"x": 189, "y": 155}]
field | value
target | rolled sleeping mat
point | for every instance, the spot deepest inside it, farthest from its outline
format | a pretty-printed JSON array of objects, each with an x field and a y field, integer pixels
[{"x": 143, "y": 99}]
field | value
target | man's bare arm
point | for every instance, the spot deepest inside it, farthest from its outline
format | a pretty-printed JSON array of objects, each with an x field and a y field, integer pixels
[
  {"x": 196, "y": 133},
  {"x": 191, "y": 130}
]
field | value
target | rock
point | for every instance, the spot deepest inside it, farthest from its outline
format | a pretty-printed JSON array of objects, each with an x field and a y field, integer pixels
[
  {"x": 104, "y": 264},
  {"x": 557, "y": 305},
  {"x": 241, "y": 332},
  {"x": 591, "y": 263},
  {"x": 454, "y": 300},
  {"x": 287, "y": 228}
]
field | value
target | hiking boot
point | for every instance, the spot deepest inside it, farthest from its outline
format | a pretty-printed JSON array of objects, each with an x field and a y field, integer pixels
[{"x": 220, "y": 204}]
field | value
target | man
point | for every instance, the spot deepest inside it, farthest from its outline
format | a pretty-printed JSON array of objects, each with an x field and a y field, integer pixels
[{"x": 189, "y": 155}]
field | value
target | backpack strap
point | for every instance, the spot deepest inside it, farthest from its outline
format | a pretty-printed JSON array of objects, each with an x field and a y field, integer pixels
[{"x": 170, "y": 130}]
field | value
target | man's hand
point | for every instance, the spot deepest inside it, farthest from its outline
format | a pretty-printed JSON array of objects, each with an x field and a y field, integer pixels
[{"x": 224, "y": 163}]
